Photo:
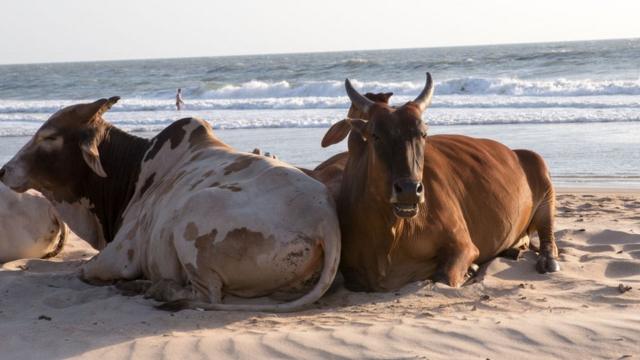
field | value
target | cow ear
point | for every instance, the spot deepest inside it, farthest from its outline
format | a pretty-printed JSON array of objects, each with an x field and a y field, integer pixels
[
  {"x": 91, "y": 156},
  {"x": 341, "y": 129},
  {"x": 336, "y": 133}
]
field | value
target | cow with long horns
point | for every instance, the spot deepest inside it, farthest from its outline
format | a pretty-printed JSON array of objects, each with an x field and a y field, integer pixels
[{"x": 414, "y": 207}]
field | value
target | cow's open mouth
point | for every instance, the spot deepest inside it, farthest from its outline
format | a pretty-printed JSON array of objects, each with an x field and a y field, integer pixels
[{"x": 405, "y": 210}]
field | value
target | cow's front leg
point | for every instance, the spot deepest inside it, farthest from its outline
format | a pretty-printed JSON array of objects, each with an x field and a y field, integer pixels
[
  {"x": 117, "y": 261},
  {"x": 456, "y": 260}
]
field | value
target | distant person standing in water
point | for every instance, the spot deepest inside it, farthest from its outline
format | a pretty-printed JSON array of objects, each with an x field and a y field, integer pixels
[{"x": 179, "y": 102}]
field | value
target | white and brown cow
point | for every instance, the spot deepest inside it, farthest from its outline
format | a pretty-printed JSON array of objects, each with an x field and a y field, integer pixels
[
  {"x": 29, "y": 226},
  {"x": 183, "y": 210}
]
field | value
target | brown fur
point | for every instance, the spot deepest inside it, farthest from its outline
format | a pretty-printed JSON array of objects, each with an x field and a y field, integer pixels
[{"x": 480, "y": 199}]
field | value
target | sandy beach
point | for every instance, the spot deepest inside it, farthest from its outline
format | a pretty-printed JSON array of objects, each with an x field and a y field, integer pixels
[
  {"x": 116, "y": 118},
  {"x": 591, "y": 309}
]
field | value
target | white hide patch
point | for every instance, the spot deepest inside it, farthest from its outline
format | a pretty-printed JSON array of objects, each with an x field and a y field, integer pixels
[
  {"x": 218, "y": 219},
  {"x": 82, "y": 221},
  {"x": 28, "y": 225}
]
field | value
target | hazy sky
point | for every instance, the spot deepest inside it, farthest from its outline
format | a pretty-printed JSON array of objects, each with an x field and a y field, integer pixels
[{"x": 76, "y": 30}]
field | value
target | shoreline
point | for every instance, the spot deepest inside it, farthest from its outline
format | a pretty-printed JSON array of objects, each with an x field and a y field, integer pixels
[{"x": 603, "y": 156}]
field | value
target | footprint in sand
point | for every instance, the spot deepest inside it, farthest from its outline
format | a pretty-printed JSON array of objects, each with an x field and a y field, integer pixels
[
  {"x": 631, "y": 247},
  {"x": 622, "y": 268},
  {"x": 585, "y": 206},
  {"x": 614, "y": 237},
  {"x": 43, "y": 266},
  {"x": 632, "y": 205},
  {"x": 600, "y": 248},
  {"x": 92, "y": 294}
]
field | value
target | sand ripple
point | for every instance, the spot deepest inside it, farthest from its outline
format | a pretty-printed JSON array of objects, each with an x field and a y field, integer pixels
[{"x": 585, "y": 311}]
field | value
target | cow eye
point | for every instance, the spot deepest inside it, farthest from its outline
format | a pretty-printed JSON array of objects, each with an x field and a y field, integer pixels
[
  {"x": 50, "y": 138},
  {"x": 375, "y": 137}
]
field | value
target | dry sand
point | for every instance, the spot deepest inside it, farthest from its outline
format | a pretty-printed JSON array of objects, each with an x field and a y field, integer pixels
[{"x": 585, "y": 311}]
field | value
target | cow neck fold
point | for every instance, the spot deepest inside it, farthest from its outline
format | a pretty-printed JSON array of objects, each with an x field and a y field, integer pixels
[
  {"x": 121, "y": 157},
  {"x": 373, "y": 211}
]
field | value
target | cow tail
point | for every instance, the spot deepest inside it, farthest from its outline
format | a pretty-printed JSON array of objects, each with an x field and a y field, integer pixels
[{"x": 63, "y": 234}]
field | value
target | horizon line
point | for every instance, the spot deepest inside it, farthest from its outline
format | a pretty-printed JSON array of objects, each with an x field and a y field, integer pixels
[{"x": 311, "y": 52}]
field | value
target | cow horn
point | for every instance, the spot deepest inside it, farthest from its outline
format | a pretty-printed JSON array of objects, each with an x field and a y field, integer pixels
[
  {"x": 424, "y": 99},
  {"x": 360, "y": 102}
]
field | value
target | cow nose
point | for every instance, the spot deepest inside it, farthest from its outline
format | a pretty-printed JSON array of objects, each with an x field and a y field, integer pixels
[{"x": 408, "y": 191}]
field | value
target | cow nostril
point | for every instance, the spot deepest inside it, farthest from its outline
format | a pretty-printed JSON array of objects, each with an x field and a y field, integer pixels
[
  {"x": 419, "y": 189},
  {"x": 397, "y": 188}
]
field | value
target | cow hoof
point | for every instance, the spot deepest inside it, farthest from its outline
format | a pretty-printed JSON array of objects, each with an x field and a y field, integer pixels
[
  {"x": 469, "y": 277},
  {"x": 454, "y": 282},
  {"x": 547, "y": 265},
  {"x": 473, "y": 270}
]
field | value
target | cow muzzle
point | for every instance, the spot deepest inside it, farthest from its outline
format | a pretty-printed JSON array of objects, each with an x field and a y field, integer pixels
[
  {"x": 406, "y": 195},
  {"x": 14, "y": 179}
]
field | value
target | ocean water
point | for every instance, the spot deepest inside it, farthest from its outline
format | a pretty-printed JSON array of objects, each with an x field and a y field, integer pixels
[{"x": 576, "y": 103}]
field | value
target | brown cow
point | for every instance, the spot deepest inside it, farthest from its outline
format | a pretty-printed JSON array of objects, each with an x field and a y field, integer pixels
[{"x": 413, "y": 207}]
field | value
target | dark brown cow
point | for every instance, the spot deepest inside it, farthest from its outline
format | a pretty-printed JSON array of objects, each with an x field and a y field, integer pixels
[{"x": 412, "y": 207}]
